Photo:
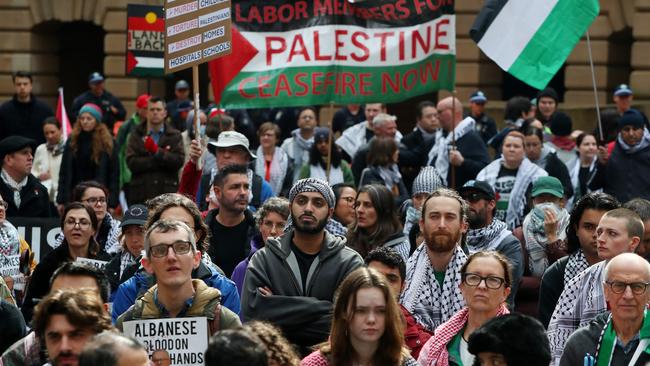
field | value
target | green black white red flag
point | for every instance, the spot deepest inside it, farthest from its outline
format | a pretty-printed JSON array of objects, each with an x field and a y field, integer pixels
[
  {"x": 292, "y": 53},
  {"x": 531, "y": 39}
]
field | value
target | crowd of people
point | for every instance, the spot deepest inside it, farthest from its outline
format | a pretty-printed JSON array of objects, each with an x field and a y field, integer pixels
[{"x": 455, "y": 244}]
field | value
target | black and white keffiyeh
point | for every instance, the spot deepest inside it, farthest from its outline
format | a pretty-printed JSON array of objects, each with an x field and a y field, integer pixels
[
  {"x": 581, "y": 301},
  {"x": 576, "y": 264},
  {"x": 487, "y": 238},
  {"x": 313, "y": 185},
  {"x": 431, "y": 304},
  {"x": 526, "y": 174},
  {"x": 439, "y": 153}
]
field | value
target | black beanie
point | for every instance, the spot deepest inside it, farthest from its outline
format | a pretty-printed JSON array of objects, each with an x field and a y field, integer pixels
[
  {"x": 548, "y": 92},
  {"x": 561, "y": 124},
  {"x": 631, "y": 117},
  {"x": 521, "y": 340}
]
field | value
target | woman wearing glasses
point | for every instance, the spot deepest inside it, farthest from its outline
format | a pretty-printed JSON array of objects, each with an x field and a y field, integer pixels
[
  {"x": 485, "y": 287},
  {"x": 367, "y": 328},
  {"x": 79, "y": 225},
  {"x": 95, "y": 195},
  {"x": 89, "y": 154}
]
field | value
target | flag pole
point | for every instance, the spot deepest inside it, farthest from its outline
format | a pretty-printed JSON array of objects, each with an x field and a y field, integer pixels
[
  {"x": 329, "y": 142},
  {"x": 593, "y": 82},
  {"x": 195, "y": 81},
  {"x": 452, "y": 181}
]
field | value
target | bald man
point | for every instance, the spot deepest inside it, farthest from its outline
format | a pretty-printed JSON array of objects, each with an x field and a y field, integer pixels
[
  {"x": 468, "y": 155},
  {"x": 625, "y": 330}
]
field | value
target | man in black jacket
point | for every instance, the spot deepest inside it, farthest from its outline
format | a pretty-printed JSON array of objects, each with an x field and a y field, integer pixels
[
  {"x": 111, "y": 106},
  {"x": 460, "y": 154},
  {"x": 23, "y": 194},
  {"x": 24, "y": 114},
  {"x": 415, "y": 146}
]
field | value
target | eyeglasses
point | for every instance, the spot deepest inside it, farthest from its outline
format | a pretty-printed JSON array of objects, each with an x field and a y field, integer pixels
[
  {"x": 95, "y": 200},
  {"x": 491, "y": 282},
  {"x": 618, "y": 287},
  {"x": 180, "y": 247},
  {"x": 474, "y": 197},
  {"x": 307, "y": 117},
  {"x": 4, "y": 205},
  {"x": 71, "y": 223},
  {"x": 348, "y": 200}
]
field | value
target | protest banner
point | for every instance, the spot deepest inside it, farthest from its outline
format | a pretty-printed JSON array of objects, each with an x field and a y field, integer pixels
[
  {"x": 92, "y": 262},
  {"x": 185, "y": 339},
  {"x": 196, "y": 31},
  {"x": 291, "y": 53},
  {"x": 10, "y": 267},
  {"x": 145, "y": 42},
  {"x": 40, "y": 233}
]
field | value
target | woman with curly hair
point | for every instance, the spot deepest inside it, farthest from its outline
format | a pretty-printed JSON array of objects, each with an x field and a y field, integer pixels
[
  {"x": 89, "y": 154},
  {"x": 366, "y": 327},
  {"x": 278, "y": 349}
]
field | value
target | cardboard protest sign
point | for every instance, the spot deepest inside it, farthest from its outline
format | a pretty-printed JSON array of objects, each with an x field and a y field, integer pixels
[
  {"x": 10, "y": 267},
  {"x": 145, "y": 42},
  {"x": 196, "y": 31},
  {"x": 291, "y": 53},
  {"x": 185, "y": 339},
  {"x": 92, "y": 262}
]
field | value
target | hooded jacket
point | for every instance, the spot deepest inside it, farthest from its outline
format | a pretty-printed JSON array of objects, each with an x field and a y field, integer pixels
[
  {"x": 206, "y": 302},
  {"x": 303, "y": 314}
]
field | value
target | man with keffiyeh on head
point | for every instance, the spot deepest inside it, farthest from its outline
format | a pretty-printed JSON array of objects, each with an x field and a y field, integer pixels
[
  {"x": 291, "y": 281},
  {"x": 622, "y": 336},
  {"x": 432, "y": 293}
]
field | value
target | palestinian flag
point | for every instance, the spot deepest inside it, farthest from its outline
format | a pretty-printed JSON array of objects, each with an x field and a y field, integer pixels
[
  {"x": 292, "y": 53},
  {"x": 531, "y": 39},
  {"x": 145, "y": 44}
]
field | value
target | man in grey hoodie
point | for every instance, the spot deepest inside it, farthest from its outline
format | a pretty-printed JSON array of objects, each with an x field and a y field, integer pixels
[{"x": 291, "y": 281}]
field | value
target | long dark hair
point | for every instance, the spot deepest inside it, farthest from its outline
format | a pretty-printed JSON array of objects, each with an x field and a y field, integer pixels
[
  {"x": 387, "y": 222},
  {"x": 81, "y": 187},
  {"x": 93, "y": 246},
  {"x": 595, "y": 201},
  {"x": 339, "y": 349}
]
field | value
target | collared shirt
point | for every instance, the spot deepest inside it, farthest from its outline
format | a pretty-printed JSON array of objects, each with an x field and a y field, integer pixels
[
  {"x": 164, "y": 313},
  {"x": 630, "y": 346},
  {"x": 156, "y": 135}
]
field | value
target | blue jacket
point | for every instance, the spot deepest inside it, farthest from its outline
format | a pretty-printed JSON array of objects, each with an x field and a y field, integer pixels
[{"x": 137, "y": 285}]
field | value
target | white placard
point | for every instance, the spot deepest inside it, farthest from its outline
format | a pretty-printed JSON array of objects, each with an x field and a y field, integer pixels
[
  {"x": 185, "y": 339},
  {"x": 93, "y": 262},
  {"x": 10, "y": 267}
]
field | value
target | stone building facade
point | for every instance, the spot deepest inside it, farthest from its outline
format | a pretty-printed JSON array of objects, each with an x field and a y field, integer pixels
[{"x": 43, "y": 36}]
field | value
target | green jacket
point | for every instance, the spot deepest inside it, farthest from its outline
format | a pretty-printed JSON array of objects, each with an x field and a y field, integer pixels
[
  {"x": 122, "y": 137},
  {"x": 207, "y": 302}
]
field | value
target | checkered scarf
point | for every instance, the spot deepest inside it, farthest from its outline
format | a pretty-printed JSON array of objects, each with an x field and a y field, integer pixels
[
  {"x": 312, "y": 185},
  {"x": 431, "y": 304},
  {"x": 581, "y": 301},
  {"x": 575, "y": 265},
  {"x": 487, "y": 238},
  {"x": 438, "y": 354}
]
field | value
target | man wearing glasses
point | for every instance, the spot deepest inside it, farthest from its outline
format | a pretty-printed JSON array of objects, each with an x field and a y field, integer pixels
[
  {"x": 619, "y": 231},
  {"x": 487, "y": 233},
  {"x": 622, "y": 336},
  {"x": 171, "y": 255}
]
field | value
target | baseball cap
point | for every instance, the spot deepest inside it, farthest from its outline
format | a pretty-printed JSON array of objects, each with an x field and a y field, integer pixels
[
  {"x": 230, "y": 139},
  {"x": 622, "y": 90},
  {"x": 550, "y": 185},
  {"x": 478, "y": 97},
  {"x": 136, "y": 215},
  {"x": 182, "y": 84},
  {"x": 95, "y": 77},
  {"x": 478, "y": 185},
  {"x": 142, "y": 101}
]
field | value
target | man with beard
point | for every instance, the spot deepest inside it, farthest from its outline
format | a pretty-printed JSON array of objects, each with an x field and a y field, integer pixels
[
  {"x": 487, "y": 233},
  {"x": 291, "y": 281},
  {"x": 433, "y": 275},
  {"x": 66, "y": 320},
  {"x": 232, "y": 225}
]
